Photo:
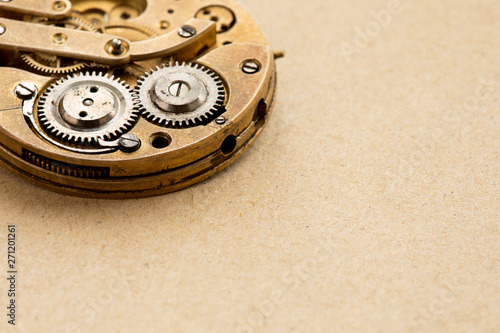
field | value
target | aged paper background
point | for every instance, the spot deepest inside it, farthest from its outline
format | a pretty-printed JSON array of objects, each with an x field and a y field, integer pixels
[{"x": 371, "y": 203}]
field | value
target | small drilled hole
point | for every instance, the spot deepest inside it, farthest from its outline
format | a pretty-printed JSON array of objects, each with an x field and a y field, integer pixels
[
  {"x": 59, "y": 38},
  {"x": 125, "y": 16},
  {"x": 83, "y": 114},
  {"x": 160, "y": 140},
  {"x": 260, "y": 112},
  {"x": 164, "y": 25},
  {"x": 214, "y": 18},
  {"x": 94, "y": 90},
  {"x": 206, "y": 12},
  {"x": 58, "y": 6},
  {"x": 228, "y": 145},
  {"x": 170, "y": 11}
]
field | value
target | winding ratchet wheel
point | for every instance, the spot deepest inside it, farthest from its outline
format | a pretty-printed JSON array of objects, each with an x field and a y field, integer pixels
[{"x": 129, "y": 98}]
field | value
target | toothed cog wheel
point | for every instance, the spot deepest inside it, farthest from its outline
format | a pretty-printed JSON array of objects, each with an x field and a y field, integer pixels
[
  {"x": 51, "y": 64},
  {"x": 181, "y": 95},
  {"x": 85, "y": 108}
]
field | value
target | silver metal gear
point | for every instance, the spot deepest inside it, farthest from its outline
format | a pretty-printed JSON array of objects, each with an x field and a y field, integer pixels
[
  {"x": 84, "y": 108},
  {"x": 50, "y": 64},
  {"x": 181, "y": 95}
]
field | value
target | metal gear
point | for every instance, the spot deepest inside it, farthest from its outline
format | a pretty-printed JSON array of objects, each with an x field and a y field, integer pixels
[
  {"x": 87, "y": 107},
  {"x": 37, "y": 61},
  {"x": 50, "y": 64},
  {"x": 181, "y": 95}
]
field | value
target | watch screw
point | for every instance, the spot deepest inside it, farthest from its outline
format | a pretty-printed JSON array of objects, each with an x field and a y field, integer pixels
[
  {"x": 187, "y": 31},
  {"x": 25, "y": 90}
]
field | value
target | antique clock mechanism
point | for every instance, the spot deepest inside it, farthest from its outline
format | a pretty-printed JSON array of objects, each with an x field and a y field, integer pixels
[{"x": 124, "y": 99}]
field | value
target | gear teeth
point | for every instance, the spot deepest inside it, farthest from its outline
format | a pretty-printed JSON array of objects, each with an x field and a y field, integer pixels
[
  {"x": 31, "y": 61},
  {"x": 44, "y": 63},
  {"x": 190, "y": 119},
  {"x": 64, "y": 169},
  {"x": 64, "y": 132}
]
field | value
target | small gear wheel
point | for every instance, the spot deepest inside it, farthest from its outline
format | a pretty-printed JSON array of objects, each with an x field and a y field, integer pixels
[
  {"x": 181, "y": 95},
  {"x": 84, "y": 108},
  {"x": 50, "y": 64}
]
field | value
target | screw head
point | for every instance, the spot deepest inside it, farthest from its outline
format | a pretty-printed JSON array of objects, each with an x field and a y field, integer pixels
[
  {"x": 250, "y": 67},
  {"x": 25, "y": 90},
  {"x": 187, "y": 31},
  {"x": 129, "y": 143},
  {"x": 220, "y": 120},
  {"x": 179, "y": 89}
]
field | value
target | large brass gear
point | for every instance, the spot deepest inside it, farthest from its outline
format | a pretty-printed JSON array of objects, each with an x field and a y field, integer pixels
[
  {"x": 181, "y": 95},
  {"x": 51, "y": 64},
  {"x": 84, "y": 108}
]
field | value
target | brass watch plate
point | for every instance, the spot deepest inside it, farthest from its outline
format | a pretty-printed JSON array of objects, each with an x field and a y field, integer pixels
[{"x": 125, "y": 99}]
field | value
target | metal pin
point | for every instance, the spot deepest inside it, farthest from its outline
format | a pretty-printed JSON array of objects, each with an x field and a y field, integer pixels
[
  {"x": 279, "y": 54},
  {"x": 116, "y": 46}
]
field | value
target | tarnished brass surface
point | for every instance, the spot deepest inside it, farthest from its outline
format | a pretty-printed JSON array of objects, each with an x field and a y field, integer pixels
[
  {"x": 47, "y": 8},
  {"x": 131, "y": 40},
  {"x": 86, "y": 45}
]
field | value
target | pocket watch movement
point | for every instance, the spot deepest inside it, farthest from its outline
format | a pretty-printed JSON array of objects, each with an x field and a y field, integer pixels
[{"x": 124, "y": 99}]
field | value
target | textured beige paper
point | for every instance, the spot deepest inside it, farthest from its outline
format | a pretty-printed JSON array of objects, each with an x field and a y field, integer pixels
[{"x": 371, "y": 203}]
